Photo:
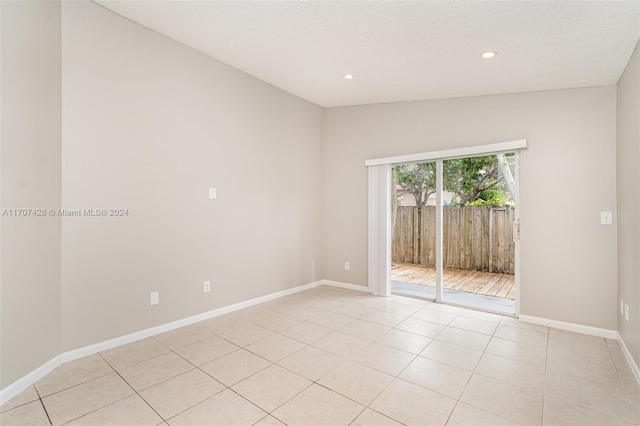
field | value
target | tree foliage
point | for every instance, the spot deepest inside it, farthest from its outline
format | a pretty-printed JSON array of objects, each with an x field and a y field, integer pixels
[
  {"x": 468, "y": 178},
  {"x": 418, "y": 180},
  {"x": 484, "y": 180}
]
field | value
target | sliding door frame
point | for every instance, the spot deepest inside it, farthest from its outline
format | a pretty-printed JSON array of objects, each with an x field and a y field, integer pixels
[
  {"x": 439, "y": 232},
  {"x": 379, "y": 226}
]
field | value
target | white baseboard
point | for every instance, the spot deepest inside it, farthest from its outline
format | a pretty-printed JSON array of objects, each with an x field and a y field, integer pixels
[
  {"x": 118, "y": 341},
  {"x": 569, "y": 326},
  {"x": 21, "y": 384},
  {"x": 630, "y": 360},
  {"x": 346, "y": 285},
  {"x": 24, "y": 382}
]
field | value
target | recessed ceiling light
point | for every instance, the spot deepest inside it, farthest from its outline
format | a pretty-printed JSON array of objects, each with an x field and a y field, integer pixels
[
  {"x": 490, "y": 54},
  {"x": 348, "y": 76}
]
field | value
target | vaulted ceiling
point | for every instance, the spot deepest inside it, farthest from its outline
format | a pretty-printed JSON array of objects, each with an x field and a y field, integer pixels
[{"x": 402, "y": 51}]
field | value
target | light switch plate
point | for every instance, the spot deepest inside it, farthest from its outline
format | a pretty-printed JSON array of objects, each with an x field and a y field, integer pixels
[
  {"x": 606, "y": 218},
  {"x": 626, "y": 312}
]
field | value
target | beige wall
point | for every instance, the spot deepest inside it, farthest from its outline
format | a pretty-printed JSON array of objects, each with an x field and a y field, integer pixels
[
  {"x": 30, "y": 102},
  {"x": 628, "y": 184},
  {"x": 149, "y": 125},
  {"x": 567, "y": 177}
]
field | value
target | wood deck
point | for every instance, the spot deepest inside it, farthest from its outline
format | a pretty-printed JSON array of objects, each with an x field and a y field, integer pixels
[{"x": 478, "y": 282}]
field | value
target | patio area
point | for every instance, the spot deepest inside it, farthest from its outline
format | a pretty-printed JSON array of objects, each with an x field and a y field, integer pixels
[{"x": 476, "y": 282}]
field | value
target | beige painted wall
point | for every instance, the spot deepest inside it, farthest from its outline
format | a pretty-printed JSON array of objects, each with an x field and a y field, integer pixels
[
  {"x": 628, "y": 185},
  {"x": 149, "y": 125},
  {"x": 567, "y": 177},
  {"x": 30, "y": 103}
]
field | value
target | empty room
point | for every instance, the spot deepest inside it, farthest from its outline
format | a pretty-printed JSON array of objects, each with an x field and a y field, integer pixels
[{"x": 320, "y": 213}]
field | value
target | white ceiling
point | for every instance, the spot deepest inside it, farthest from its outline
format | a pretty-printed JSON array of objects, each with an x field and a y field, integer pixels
[{"x": 401, "y": 51}]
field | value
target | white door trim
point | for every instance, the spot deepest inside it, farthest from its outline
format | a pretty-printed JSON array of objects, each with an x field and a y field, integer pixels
[{"x": 472, "y": 151}]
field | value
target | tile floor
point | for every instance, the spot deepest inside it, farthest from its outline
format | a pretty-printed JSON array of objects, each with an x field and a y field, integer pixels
[{"x": 329, "y": 356}]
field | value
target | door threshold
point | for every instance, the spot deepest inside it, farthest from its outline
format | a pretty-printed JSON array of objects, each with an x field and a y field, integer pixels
[{"x": 461, "y": 299}]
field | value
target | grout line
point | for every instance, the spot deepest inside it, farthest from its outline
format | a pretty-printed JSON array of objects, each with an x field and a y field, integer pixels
[
  {"x": 23, "y": 404},
  {"x": 195, "y": 368},
  {"x": 298, "y": 393},
  {"x": 77, "y": 384},
  {"x": 139, "y": 362},
  {"x": 132, "y": 388},
  {"x": 191, "y": 406},
  {"x": 42, "y": 403},
  {"x": 382, "y": 414},
  {"x": 454, "y": 408},
  {"x": 544, "y": 383}
]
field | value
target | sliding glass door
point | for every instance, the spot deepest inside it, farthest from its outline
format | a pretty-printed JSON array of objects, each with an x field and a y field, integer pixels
[
  {"x": 478, "y": 244},
  {"x": 454, "y": 231},
  {"x": 413, "y": 225}
]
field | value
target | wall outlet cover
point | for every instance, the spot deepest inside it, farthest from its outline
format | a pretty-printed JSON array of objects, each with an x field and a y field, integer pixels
[{"x": 154, "y": 298}]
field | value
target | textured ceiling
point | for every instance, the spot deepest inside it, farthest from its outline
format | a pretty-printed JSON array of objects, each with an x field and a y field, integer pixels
[{"x": 400, "y": 51}]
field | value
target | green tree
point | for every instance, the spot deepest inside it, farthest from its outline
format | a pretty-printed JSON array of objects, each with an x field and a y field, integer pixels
[
  {"x": 491, "y": 197},
  {"x": 468, "y": 178},
  {"x": 485, "y": 180},
  {"x": 418, "y": 180}
]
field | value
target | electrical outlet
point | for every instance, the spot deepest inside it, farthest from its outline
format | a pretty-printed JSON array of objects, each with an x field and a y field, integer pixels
[
  {"x": 346, "y": 266},
  {"x": 154, "y": 298},
  {"x": 621, "y": 307},
  {"x": 212, "y": 193},
  {"x": 626, "y": 312},
  {"x": 207, "y": 286}
]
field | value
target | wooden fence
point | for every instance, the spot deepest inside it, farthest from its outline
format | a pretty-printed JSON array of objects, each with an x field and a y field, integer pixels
[{"x": 475, "y": 237}]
